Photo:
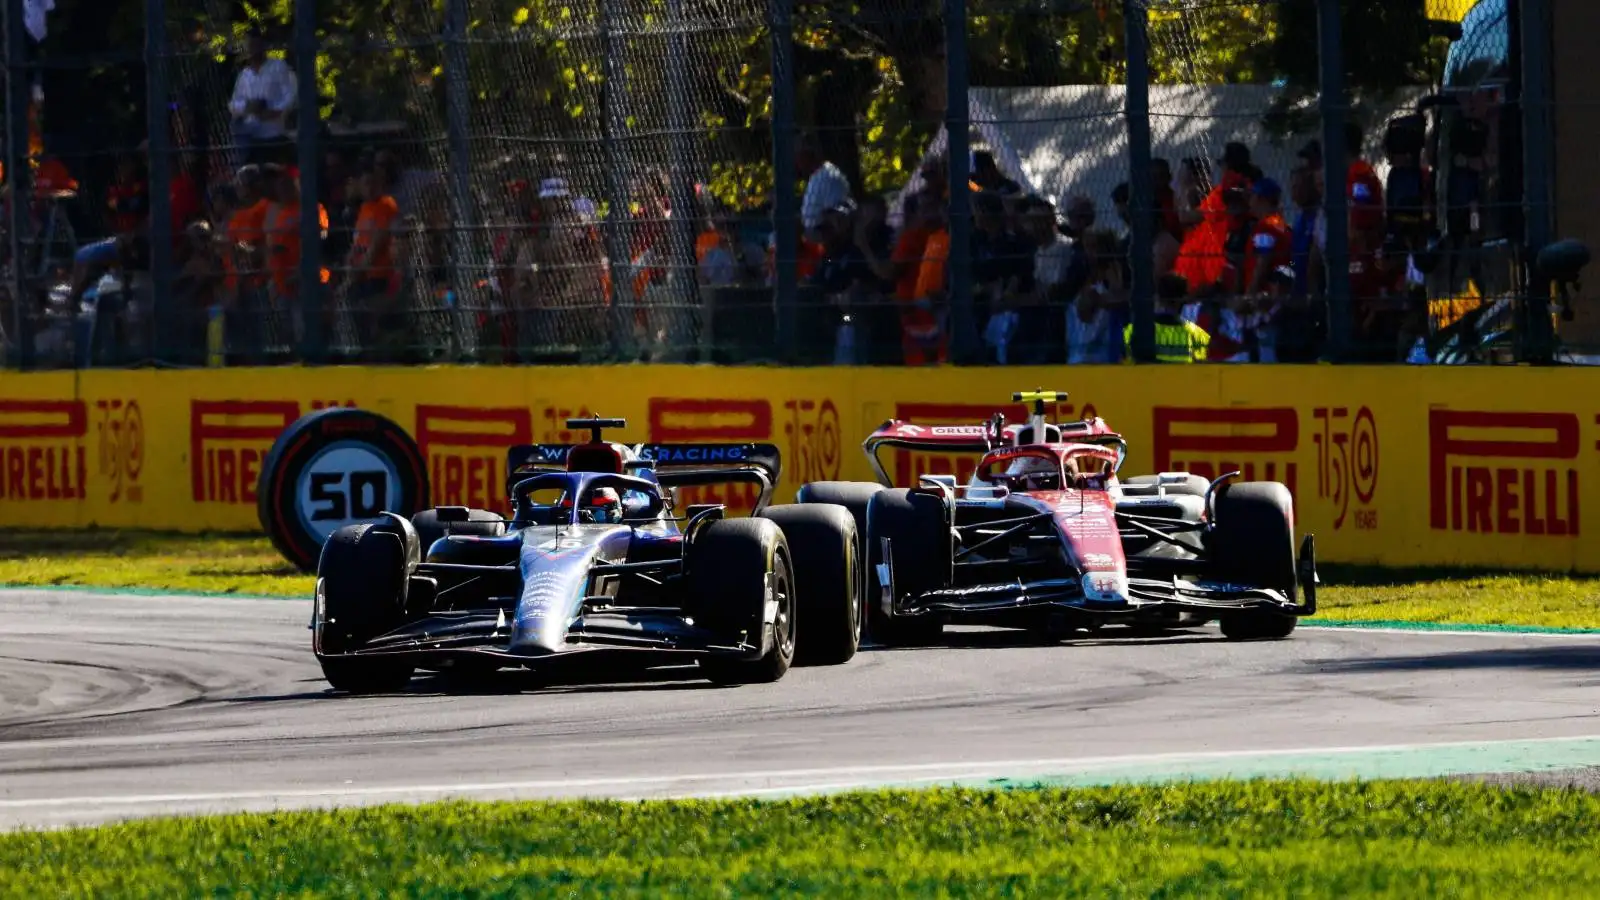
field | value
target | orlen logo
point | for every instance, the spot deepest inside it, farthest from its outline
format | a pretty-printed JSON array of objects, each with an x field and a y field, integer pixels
[
  {"x": 465, "y": 448},
  {"x": 1257, "y": 443},
  {"x": 41, "y": 447},
  {"x": 909, "y": 466},
  {"x": 1538, "y": 495}
]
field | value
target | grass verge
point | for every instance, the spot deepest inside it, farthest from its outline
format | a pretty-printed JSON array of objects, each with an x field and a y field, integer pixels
[
  {"x": 1297, "y": 839},
  {"x": 244, "y": 564}
]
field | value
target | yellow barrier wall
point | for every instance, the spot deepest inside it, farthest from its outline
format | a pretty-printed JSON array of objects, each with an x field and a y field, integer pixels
[{"x": 1391, "y": 465}]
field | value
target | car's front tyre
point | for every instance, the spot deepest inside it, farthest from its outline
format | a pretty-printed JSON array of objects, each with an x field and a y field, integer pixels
[
  {"x": 736, "y": 567},
  {"x": 1253, "y": 545},
  {"x": 361, "y": 586}
]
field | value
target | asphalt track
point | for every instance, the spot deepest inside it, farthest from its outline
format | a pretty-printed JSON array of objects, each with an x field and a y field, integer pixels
[{"x": 115, "y": 706}]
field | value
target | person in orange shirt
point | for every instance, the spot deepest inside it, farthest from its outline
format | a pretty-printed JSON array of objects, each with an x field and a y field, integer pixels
[
  {"x": 282, "y": 229},
  {"x": 917, "y": 322},
  {"x": 247, "y": 233},
  {"x": 371, "y": 263},
  {"x": 923, "y": 334}
]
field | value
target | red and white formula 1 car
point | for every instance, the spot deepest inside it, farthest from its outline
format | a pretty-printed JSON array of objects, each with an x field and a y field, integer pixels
[{"x": 1047, "y": 536}]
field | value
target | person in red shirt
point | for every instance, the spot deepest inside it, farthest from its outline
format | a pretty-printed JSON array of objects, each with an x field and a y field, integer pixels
[
  {"x": 128, "y": 198},
  {"x": 1271, "y": 242},
  {"x": 1364, "y": 194},
  {"x": 921, "y": 338},
  {"x": 1378, "y": 294}
]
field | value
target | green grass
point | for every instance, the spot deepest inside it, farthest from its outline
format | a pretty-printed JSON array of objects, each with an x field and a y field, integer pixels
[
  {"x": 1299, "y": 839},
  {"x": 184, "y": 563},
  {"x": 235, "y": 564}
]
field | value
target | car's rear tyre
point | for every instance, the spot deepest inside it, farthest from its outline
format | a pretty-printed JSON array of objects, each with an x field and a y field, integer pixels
[
  {"x": 733, "y": 566},
  {"x": 362, "y": 583},
  {"x": 1253, "y": 544},
  {"x": 480, "y": 523},
  {"x": 922, "y": 559},
  {"x": 828, "y": 574},
  {"x": 854, "y": 496}
]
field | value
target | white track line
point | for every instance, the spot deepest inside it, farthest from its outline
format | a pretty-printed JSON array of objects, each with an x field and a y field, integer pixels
[{"x": 840, "y": 777}]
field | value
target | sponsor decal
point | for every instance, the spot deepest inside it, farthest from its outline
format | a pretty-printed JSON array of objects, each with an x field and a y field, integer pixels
[
  {"x": 1211, "y": 442},
  {"x": 1105, "y": 587},
  {"x": 228, "y": 441},
  {"x": 947, "y": 420},
  {"x": 710, "y": 453},
  {"x": 1098, "y": 561},
  {"x": 41, "y": 448},
  {"x": 1503, "y": 472},
  {"x": 119, "y": 425},
  {"x": 465, "y": 446},
  {"x": 1347, "y": 464}
]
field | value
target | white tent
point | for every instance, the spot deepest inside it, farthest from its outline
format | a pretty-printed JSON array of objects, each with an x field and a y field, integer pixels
[{"x": 1059, "y": 142}]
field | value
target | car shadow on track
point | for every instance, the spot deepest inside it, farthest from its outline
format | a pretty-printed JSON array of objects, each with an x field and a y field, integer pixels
[
  {"x": 997, "y": 639},
  {"x": 511, "y": 683},
  {"x": 1564, "y": 658}
]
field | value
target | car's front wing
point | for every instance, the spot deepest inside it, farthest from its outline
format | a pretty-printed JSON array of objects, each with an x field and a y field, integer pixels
[
  {"x": 487, "y": 633},
  {"x": 1143, "y": 597}
]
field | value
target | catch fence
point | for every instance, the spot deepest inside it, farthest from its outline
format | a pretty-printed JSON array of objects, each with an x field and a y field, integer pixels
[{"x": 504, "y": 181}]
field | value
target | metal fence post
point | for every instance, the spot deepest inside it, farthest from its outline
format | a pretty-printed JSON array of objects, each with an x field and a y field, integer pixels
[
  {"x": 158, "y": 129},
  {"x": 785, "y": 205},
  {"x": 965, "y": 347},
  {"x": 463, "y": 209},
  {"x": 680, "y": 188},
  {"x": 1538, "y": 154},
  {"x": 19, "y": 178},
  {"x": 310, "y": 160},
  {"x": 613, "y": 127},
  {"x": 1335, "y": 174},
  {"x": 1141, "y": 184}
]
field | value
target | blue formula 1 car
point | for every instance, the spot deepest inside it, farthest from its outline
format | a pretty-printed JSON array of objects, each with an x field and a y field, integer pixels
[{"x": 594, "y": 558}]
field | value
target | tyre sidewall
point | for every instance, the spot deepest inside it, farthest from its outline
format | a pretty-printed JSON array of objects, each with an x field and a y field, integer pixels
[{"x": 825, "y": 551}]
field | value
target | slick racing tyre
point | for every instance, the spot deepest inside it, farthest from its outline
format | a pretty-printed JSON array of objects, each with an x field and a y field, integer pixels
[
  {"x": 922, "y": 558},
  {"x": 852, "y": 495},
  {"x": 734, "y": 566},
  {"x": 480, "y": 523},
  {"x": 1253, "y": 544},
  {"x": 361, "y": 587},
  {"x": 828, "y": 574}
]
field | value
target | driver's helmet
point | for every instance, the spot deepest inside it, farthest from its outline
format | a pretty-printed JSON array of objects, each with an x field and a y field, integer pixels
[
  {"x": 602, "y": 507},
  {"x": 1034, "y": 473}
]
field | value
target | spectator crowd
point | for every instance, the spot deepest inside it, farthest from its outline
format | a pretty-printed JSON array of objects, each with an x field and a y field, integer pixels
[
  {"x": 1238, "y": 258},
  {"x": 1239, "y": 261}
]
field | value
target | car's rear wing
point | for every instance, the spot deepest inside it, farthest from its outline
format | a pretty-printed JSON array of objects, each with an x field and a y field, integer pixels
[
  {"x": 674, "y": 465},
  {"x": 978, "y": 439}
]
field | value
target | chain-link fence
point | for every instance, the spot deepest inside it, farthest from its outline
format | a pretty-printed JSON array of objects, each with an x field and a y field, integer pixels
[{"x": 505, "y": 181}]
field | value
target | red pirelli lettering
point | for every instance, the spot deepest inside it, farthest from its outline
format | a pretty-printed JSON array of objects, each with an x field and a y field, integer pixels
[{"x": 1466, "y": 494}]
